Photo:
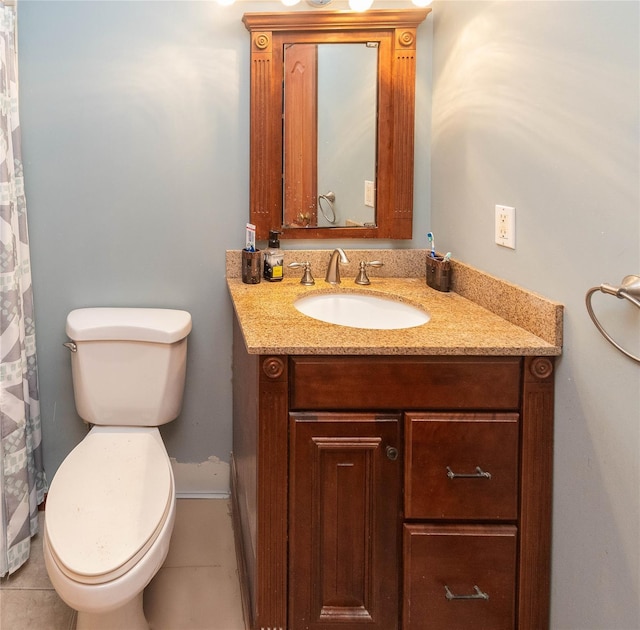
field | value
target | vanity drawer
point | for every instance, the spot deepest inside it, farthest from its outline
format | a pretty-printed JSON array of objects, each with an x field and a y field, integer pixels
[
  {"x": 461, "y": 466},
  {"x": 388, "y": 382},
  {"x": 459, "y": 577}
]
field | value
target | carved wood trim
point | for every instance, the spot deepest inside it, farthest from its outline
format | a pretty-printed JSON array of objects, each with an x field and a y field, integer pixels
[
  {"x": 536, "y": 492},
  {"x": 541, "y": 367},
  {"x": 262, "y": 43},
  {"x": 406, "y": 39},
  {"x": 273, "y": 367},
  {"x": 333, "y": 20},
  {"x": 271, "y": 552},
  {"x": 404, "y": 78},
  {"x": 266, "y": 137}
]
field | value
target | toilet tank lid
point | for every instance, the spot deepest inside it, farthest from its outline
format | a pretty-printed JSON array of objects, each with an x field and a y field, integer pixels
[{"x": 158, "y": 325}]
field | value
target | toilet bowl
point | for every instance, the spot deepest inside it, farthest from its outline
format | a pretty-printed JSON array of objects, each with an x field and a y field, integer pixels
[
  {"x": 111, "y": 505},
  {"x": 109, "y": 517}
]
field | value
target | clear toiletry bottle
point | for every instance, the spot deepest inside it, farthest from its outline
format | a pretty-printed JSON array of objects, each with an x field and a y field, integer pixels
[{"x": 273, "y": 259}]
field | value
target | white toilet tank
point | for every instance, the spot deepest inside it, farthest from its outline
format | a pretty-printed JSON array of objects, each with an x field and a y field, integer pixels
[{"x": 128, "y": 364}]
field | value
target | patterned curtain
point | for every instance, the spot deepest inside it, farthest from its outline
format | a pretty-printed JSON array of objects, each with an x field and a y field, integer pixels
[{"x": 22, "y": 480}]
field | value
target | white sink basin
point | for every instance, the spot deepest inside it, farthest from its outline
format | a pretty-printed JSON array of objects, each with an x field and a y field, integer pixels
[{"x": 361, "y": 311}]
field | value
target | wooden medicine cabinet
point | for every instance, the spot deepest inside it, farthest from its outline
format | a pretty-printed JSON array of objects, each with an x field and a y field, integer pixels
[{"x": 331, "y": 152}]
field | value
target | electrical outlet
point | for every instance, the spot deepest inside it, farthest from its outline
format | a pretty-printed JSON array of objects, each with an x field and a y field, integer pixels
[{"x": 506, "y": 226}]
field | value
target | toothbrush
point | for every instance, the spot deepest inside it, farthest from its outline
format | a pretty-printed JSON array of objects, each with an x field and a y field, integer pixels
[
  {"x": 447, "y": 257},
  {"x": 250, "y": 238},
  {"x": 432, "y": 244}
]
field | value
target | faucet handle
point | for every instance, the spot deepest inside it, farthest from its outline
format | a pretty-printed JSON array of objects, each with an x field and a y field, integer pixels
[
  {"x": 362, "y": 277},
  {"x": 307, "y": 278}
]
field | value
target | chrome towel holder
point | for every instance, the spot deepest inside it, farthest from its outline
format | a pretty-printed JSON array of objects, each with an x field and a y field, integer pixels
[
  {"x": 330, "y": 198},
  {"x": 628, "y": 290}
]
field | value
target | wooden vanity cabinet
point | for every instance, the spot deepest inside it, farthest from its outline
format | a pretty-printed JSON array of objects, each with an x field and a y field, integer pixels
[{"x": 346, "y": 515}]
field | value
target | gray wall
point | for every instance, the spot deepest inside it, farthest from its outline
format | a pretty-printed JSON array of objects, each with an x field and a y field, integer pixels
[
  {"x": 536, "y": 105},
  {"x": 135, "y": 123},
  {"x": 136, "y": 165}
]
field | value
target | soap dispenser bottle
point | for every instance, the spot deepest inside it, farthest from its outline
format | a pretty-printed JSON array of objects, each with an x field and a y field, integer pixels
[{"x": 273, "y": 259}]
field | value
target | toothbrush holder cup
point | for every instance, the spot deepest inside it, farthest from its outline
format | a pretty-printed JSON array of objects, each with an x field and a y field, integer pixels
[
  {"x": 438, "y": 272},
  {"x": 251, "y": 266}
]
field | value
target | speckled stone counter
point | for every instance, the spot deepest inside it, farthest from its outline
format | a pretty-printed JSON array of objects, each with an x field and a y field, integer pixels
[{"x": 527, "y": 324}]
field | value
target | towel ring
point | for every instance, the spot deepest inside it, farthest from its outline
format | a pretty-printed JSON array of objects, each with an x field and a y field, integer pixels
[
  {"x": 628, "y": 290},
  {"x": 330, "y": 198}
]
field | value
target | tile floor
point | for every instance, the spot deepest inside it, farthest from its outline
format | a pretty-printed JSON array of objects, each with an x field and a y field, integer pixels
[{"x": 196, "y": 589}]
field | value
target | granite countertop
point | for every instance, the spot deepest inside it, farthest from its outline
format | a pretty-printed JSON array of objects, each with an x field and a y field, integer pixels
[{"x": 458, "y": 326}]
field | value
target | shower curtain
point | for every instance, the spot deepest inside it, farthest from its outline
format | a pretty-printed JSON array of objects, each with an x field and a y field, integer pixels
[{"x": 22, "y": 480}]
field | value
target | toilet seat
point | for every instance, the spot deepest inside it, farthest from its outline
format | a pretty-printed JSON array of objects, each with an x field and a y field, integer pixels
[{"x": 108, "y": 502}]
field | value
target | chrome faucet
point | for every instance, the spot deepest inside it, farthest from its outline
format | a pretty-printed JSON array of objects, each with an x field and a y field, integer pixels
[{"x": 333, "y": 270}]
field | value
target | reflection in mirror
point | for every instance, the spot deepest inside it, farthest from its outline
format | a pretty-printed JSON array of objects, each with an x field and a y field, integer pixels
[{"x": 330, "y": 106}]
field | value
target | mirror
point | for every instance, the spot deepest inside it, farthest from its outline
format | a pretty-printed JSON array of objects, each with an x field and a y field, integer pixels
[
  {"x": 329, "y": 130},
  {"x": 332, "y": 123}
]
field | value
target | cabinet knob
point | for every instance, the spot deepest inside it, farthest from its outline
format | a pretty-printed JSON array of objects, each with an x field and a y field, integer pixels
[{"x": 392, "y": 453}]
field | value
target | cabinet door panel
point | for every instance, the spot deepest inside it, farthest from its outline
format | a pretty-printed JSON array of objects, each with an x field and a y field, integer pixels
[
  {"x": 344, "y": 520},
  {"x": 459, "y": 577},
  {"x": 461, "y": 466}
]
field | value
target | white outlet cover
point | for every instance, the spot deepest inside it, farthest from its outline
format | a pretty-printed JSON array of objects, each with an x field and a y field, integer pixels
[{"x": 505, "y": 226}]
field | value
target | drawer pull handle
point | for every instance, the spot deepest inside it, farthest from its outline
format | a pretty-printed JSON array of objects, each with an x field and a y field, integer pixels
[
  {"x": 477, "y": 595},
  {"x": 392, "y": 453},
  {"x": 479, "y": 474}
]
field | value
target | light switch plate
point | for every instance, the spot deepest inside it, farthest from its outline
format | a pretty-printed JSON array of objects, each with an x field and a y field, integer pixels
[{"x": 369, "y": 193}]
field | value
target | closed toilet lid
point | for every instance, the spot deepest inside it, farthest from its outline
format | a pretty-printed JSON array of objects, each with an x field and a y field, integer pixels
[{"x": 108, "y": 501}]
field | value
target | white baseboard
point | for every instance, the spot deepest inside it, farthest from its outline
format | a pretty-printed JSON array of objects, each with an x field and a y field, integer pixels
[{"x": 205, "y": 480}]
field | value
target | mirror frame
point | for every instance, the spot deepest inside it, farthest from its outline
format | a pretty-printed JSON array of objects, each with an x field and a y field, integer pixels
[{"x": 395, "y": 30}]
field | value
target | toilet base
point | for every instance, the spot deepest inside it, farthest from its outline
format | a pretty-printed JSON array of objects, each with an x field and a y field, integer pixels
[{"x": 130, "y": 616}]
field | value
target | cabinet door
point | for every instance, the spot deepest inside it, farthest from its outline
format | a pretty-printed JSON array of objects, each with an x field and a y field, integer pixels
[
  {"x": 344, "y": 518},
  {"x": 459, "y": 577}
]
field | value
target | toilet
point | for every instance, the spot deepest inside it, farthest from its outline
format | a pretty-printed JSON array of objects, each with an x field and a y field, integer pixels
[{"x": 111, "y": 506}]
